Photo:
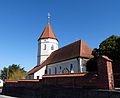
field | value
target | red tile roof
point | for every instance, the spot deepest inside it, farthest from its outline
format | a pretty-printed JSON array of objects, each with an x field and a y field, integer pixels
[
  {"x": 36, "y": 68},
  {"x": 73, "y": 50},
  {"x": 48, "y": 33}
]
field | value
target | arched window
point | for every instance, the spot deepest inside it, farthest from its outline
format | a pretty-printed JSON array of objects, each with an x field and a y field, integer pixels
[
  {"x": 52, "y": 47},
  {"x": 49, "y": 71},
  {"x": 71, "y": 67},
  {"x": 60, "y": 67},
  {"x": 44, "y": 46},
  {"x": 37, "y": 77},
  {"x": 55, "y": 70},
  {"x": 45, "y": 71}
]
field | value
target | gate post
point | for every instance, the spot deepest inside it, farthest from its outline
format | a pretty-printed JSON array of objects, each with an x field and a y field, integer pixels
[{"x": 105, "y": 73}]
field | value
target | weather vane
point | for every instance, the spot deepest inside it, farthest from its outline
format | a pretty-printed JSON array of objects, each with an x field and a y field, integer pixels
[{"x": 48, "y": 17}]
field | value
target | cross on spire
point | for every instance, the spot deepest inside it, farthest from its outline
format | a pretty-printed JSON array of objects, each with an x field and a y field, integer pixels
[{"x": 48, "y": 17}]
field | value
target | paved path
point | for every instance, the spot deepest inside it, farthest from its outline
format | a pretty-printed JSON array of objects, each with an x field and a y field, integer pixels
[{"x": 3, "y": 96}]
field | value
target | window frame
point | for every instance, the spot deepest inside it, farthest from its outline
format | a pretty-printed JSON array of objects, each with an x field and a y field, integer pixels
[
  {"x": 52, "y": 47},
  {"x": 44, "y": 47}
]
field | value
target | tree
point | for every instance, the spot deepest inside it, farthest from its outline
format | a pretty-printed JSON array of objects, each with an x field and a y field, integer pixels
[
  {"x": 13, "y": 72},
  {"x": 17, "y": 75},
  {"x": 4, "y": 73},
  {"x": 111, "y": 48},
  {"x": 118, "y": 49}
]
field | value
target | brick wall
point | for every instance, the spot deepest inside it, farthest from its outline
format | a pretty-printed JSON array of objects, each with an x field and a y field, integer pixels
[
  {"x": 82, "y": 80},
  {"x": 46, "y": 91},
  {"x": 103, "y": 79}
]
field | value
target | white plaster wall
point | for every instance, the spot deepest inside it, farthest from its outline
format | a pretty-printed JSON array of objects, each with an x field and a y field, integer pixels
[
  {"x": 1, "y": 83},
  {"x": 44, "y": 53},
  {"x": 49, "y": 42},
  {"x": 43, "y": 58},
  {"x": 76, "y": 63},
  {"x": 40, "y": 73}
]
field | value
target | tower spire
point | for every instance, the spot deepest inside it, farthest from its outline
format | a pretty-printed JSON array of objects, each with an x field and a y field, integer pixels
[{"x": 48, "y": 17}]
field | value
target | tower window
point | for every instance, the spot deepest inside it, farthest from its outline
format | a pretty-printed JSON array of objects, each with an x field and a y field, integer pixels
[
  {"x": 52, "y": 47},
  {"x": 44, "y": 46}
]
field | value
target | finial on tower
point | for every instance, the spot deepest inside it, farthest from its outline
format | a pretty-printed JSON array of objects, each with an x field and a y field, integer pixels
[{"x": 48, "y": 17}]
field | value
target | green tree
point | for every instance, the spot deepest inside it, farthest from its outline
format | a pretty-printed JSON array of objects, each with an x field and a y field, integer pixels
[
  {"x": 13, "y": 72},
  {"x": 111, "y": 48},
  {"x": 17, "y": 75},
  {"x": 4, "y": 73}
]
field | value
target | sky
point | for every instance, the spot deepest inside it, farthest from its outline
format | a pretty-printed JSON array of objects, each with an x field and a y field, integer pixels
[{"x": 22, "y": 22}]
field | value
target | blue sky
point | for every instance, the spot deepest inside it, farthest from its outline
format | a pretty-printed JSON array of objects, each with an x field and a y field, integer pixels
[{"x": 22, "y": 21}]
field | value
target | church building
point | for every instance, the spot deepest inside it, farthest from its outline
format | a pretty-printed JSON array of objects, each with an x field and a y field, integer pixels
[{"x": 71, "y": 58}]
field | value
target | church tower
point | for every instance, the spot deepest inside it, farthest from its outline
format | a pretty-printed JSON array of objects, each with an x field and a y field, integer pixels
[{"x": 47, "y": 43}]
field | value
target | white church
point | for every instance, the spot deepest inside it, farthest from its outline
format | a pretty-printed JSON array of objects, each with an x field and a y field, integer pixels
[{"x": 53, "y": 60}]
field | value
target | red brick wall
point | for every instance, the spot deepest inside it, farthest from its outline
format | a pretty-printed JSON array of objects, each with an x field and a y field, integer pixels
[
  {"x": 72, "y": 80},
  {"x": 102, "y": 80},
  {"x": 105, "y": 72}
]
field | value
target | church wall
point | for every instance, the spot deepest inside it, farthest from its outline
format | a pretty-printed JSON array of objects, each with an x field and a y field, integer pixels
[
  {"x": 45, "y": 48},
  {"x": 68, "y": 66},
  {"x": 40, "y": 73}
]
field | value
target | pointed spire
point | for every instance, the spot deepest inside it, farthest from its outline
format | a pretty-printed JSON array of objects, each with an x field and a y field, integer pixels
[
  {"x": 48, "y": 17},
  {"x": 48, "y": 32}
]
